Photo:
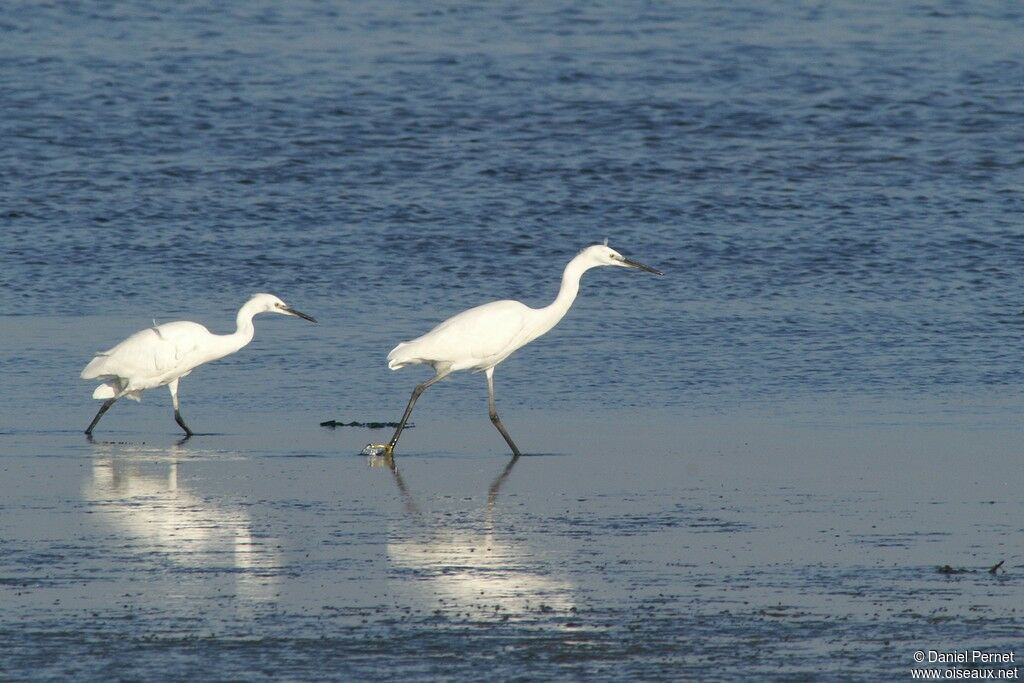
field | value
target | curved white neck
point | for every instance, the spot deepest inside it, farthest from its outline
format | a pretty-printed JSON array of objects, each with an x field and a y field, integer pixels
[
  {"x": 244, "y": 331},
  {"x": 550, "y": 315}
]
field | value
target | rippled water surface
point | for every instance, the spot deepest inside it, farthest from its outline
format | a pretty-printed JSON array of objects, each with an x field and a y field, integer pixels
[{"x": 753, "y": 465}]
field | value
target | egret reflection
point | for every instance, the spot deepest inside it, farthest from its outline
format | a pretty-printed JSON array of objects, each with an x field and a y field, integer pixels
[
  {"x": 480, "y": 568},
  {"x": 137, "y": 491}
]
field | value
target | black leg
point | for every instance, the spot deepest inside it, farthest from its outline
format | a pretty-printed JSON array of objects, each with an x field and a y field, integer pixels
[
  {"x": 420, "y": 388},
  {"x": 173, "y": 387},
  {"x": 181, "y": 423},
  {"x": 103, "y": 408},
  {"x": 492, "y": 410}
]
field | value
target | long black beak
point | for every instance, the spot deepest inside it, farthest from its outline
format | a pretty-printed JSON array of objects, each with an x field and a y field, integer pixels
[
  {"x": 636, "y": 264},
  {"x": 299, "y": 314}
]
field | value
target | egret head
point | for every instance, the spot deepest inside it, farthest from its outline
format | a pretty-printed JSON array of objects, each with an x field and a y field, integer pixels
[
  {"x": 268, "y": 303},
  {"x": 603, "y": 255}
]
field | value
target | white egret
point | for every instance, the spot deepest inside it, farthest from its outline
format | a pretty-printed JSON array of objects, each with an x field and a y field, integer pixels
[
  {"x": 482, "y": 337},
  {"x": 163, "y": 354}
]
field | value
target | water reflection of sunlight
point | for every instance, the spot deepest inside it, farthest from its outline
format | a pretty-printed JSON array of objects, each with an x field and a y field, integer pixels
[
  {"x": 136, "y": 490},
  {"x": 479, "y": 569}
]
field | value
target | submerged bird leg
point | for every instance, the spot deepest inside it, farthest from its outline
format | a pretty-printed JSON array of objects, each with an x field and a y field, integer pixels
[
  {"x": 492, "y": 492},
  {"x": 410, "y": 503},
  {"x": 173, "y": 386},
  {"x": 389, "y": 449},
  {"x": 492, "y": 410},
  {"x": 103, "y": 408}
]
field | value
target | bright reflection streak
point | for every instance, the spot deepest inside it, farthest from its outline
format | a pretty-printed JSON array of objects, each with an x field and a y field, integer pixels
[
  {"x": 483, "y": 570},
  {"x": 136, "y": 490}
]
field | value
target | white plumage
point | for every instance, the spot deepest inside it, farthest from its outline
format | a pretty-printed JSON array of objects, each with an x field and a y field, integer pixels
[
  {"x": 163, "y": 354},
  {"x": 151, "y": 358},
  {"x": 485, "y": 335},
  {"x": 480, "y": 338}
]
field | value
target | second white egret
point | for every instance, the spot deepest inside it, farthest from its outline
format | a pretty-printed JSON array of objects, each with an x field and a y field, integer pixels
[
  {"x": 480, "y": 338},
  {"x": 163, "y": 354}
]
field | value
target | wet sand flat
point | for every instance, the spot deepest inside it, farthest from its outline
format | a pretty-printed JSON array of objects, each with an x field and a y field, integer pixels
[{"x": 649, "y": 546}]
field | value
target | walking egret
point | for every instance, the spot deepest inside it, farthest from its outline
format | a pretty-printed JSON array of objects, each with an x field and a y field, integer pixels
[
  {"x": 163, "y": 354},
  {"x": 482, "y": 337}
]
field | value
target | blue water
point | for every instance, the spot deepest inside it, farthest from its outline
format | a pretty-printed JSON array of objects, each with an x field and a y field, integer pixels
[{"x": 833, "y": 190}]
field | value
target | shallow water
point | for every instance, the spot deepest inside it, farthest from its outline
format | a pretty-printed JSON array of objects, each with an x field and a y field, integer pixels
[
  {"x": 751, "y": 546},
  {"x": 750, "y": 468}
]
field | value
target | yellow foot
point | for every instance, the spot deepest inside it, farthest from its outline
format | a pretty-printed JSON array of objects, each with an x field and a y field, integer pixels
[{"x": 382, "y": 449}]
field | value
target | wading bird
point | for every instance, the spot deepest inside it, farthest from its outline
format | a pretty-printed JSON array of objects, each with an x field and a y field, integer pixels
[
  {"x": 163, "y": 354},
  {"x": 482, "y": 337}
]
